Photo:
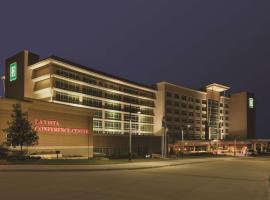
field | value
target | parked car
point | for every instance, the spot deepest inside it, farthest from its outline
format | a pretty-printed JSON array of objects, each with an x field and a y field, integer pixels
[{"x": 251, "y": 152}]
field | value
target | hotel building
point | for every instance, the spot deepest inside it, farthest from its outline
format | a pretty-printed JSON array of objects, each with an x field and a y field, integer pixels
[
  {"x": 118, "y": 106},
  {"x": 205, "y": 114},
  {"x": 114, "y": 99}
]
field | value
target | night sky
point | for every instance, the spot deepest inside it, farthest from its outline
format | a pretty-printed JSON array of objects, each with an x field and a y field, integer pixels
[{"x": 191, "y": 43}]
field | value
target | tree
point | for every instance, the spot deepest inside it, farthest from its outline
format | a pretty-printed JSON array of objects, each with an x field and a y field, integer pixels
[{"x": 20, "y": 131}]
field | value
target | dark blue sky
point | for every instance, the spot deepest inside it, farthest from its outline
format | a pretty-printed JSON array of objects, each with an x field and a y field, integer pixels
[{"x": 190, "y": 43}]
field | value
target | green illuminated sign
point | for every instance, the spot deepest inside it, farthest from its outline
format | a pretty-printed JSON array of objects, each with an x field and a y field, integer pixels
[
  {"x": 13, "y": 71},
  {"x": 251, "y": 103}
]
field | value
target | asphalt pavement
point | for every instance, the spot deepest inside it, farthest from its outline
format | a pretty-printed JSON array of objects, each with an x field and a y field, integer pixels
[{"x": 197, "y": 179}]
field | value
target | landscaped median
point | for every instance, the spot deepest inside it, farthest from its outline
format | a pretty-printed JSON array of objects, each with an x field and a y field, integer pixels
[{"x": 100, "y": 165}]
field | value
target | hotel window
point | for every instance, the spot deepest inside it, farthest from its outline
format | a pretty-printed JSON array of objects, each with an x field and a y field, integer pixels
[
  {"x": 130, "y": 90},
  {"x": 204, "y": 101},
  {"x": 146, "y": 119},
  {"x": 128, "y": 99},
  {"x": 226, "y": 124},
  {"x": 147, "y": 111},
  {"x": 92, "y": 91},
  {"x": 190, "y": 106},
  {"x": 113, "y": 106},
  {"x": 67, "y": 97},
  {"x": 176, "y": 96},
  {"x": 198, "y": 108},
  {"x": 176, "y": 111},
  {"x": 67, "y": 74},
  {"x": 184, "y": 105},
  {"x": 126, "y": 126},
  {"x": 147, "y": 94},
  {"x": 133, "y": 126},
  {"x": 148, "y": 128},
  {"x": 198, "y": 101},
  {"x": 226, "y": 112},
  {"x": 147, "y": 103},
  {"x": 190, "y": 114},
  {"x": 92, "y": 102},
  {"x": 176, "y": 104},
  {"x": 168, "y": 102},
  {"x": 190, "y": 99},
  {"x": 221, "y": 105},
  {"x": 176, "y": 119},
  {"x": 184, "y": 113},
  {"x": 184, "y": 120},
  {"x": 113, "y": 115},
  {"x": 168, "y": 110},
  {"x": 97, "y": 124},
  {"x": 134, "y": 118},
  {"x": 184, "y": 98},
  {"x": 113, "y": 125},
  {"x": 113, "y": 96},
  {"x": 168, "y": 94},
  {"x": 98, "y": 114},
  {"x": 221, "y": 111},
  {"x": 67, "y": 85},
  {"x": 226, "y": 118},
  {"x": 168, "y": 119},
  {"x": 89, "y": 80},
  {"x": 198, "y": 114},
  {"x": 191, "y": 121}
]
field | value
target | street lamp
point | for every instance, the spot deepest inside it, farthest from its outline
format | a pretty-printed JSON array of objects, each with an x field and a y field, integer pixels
[
  {"x": 130, "y": 132},
  {"x": 182, "y": 140},
  {"x": 4, "y": 89}
]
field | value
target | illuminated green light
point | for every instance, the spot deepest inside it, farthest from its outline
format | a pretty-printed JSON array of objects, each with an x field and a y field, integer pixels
[
  {"x": 13, "y": 71},
  {"x": 251, "y": 103}
]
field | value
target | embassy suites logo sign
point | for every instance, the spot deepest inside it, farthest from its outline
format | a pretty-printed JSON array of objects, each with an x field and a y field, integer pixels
[
  {"x": 53, "y": 126},
  {"x": 13, "y": 71}
]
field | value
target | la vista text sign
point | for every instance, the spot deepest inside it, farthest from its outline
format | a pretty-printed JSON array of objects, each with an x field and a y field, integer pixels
[{"x": 53, "y": 126}]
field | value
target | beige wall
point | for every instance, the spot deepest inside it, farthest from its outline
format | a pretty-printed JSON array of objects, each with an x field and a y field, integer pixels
[
  {"x": 238, "y": 115},
  {"x": 159, "y": 110}
]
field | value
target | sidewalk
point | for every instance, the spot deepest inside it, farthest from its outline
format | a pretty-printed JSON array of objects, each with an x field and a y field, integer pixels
[{"x": 106, "y": 167}]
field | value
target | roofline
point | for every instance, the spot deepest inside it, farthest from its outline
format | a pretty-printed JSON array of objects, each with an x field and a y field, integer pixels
[
  {"x": 218, "y": 85},
  {"x": 65, "y": 61},
  {"x": 182, "y": 87}
]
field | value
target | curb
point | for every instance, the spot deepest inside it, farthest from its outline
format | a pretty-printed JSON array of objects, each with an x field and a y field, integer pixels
[{"x": 102, "y": 169}]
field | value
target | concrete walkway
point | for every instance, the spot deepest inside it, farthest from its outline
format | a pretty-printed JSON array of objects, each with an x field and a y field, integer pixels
[{"x": 107, "y": 167}]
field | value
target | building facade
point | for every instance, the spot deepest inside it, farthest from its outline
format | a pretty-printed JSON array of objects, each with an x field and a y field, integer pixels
[
  {"x": 123, "y": 107},
  {"x": 119, "y": 103},
  {"x": 205, "y": 114},
  {"x": 60, "y": 81}
]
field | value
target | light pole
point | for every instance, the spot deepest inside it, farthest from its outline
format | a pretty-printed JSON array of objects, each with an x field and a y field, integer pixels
[
  {"x": 4, "y": 88},
  {"x": 129, "y": 152},
  {"x": 182, "y": 140},
  {"x": 130, "y": 132}
]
